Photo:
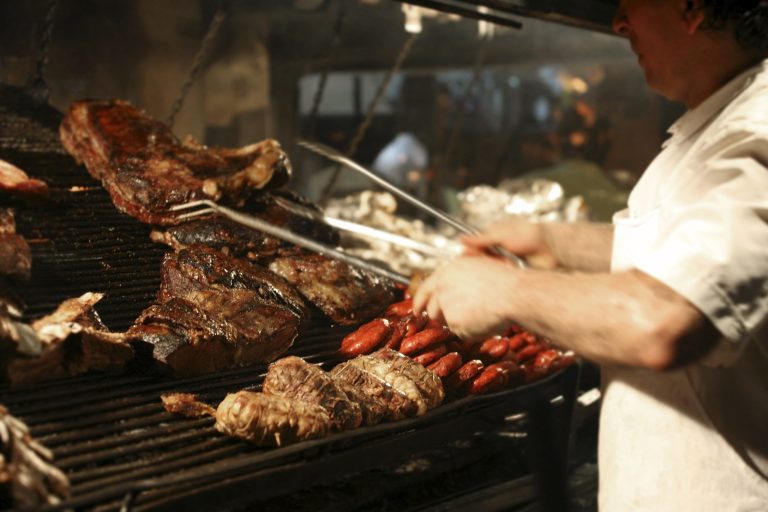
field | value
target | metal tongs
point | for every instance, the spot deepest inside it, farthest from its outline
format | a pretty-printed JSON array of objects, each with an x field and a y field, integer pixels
[
  {"x": 202, "y": 207},
  {"x": 332, "y": 154}
]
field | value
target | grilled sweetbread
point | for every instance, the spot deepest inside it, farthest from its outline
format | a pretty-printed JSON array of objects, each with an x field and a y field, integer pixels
[
  {"x": 389, "y": 386},
  {"x": 294, "y": 378}
]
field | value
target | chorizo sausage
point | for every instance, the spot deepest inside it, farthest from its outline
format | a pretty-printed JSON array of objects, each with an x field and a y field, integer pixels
[
  {"x": 415, "y": 324},
  {"x": 399, "y": 309},
  {"x": 530, "y": 351},
  {"x": 493, "y": 349},
  {"x": 423, "y": 339},
  {"x": 397, "y": 333},
  {"x": 366, "y": 338},
  {"x": 495, "y": 377},
  {"x": 465, "y": 372},
  {"x": 431, "y": 355},
  {"x": 516, "y": 342},
  {"x": 446, "y": 365}
]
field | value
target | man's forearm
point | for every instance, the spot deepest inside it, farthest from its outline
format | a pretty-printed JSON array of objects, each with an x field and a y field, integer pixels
[
  {"x": 583, "y": 246},
  {"x": 627, "y": 318}
]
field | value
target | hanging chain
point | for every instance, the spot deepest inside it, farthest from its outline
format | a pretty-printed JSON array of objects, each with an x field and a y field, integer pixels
[
  {"x": 37, "y": 85},
  {"x": 357, "y": 139},
  {"x": 202, "y": 53},
  {"x": 335, "y": 39},
  {"x": 453, "y": 137}
]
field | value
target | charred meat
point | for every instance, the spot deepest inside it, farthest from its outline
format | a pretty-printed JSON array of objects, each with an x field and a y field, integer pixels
[
  {"x": 265, "y": 420},
  {"x": 16, "y": 181},
  {"x": 347, "y": 295},
  {"x": 28, "y": 479},
  {"x": 203, "y": 268},
  {"x": 279, "y": 208},
  {"x": 211, "y": 331},
  {"x": 15, "y": 255},
  {"x": 70, "y": 341},
  {"x": 294, "y": 378},
  {"x": 146, "y": 169},
  {"x": 389, "y": 386}
]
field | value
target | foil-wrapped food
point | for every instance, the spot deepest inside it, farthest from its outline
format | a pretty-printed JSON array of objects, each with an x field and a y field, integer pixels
[
  {"x": 535, "y": 199},
  {"x": 479, "y": 206},
  {"x": 379, "y": 210}
]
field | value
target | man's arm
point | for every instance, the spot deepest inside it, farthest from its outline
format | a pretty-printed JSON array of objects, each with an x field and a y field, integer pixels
[
  {"x": 582, "y": 246},
  {"x": 626, "y": 318}
]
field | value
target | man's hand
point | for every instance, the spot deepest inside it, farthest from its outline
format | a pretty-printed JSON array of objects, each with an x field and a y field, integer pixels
[
  {"x": 467, "y": 295},
  {"x": 524, "y": 238}
]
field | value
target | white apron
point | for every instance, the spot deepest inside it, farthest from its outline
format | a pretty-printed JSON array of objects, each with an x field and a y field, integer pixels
[
  {"x": 696, "y": 439},
  {"x": 659, "y": 450}
]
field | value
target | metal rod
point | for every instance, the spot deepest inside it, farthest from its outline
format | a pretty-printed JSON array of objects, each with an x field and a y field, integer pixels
[
  {"x": 289, "y": 236},
  {"x": 392, "y": 238},
  {"x": 462, "y": 9},
  {"x": 334, "y": 155}
]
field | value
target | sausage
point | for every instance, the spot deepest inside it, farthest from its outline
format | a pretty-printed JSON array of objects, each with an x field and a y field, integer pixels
[
  {"x": 529, "y": 351},
  {"x": 545, "y": 358},
  {"x": 516, "y": 342},
  {"x": 547, "y": 362},
  {"x": 453, "y": 345},
  {"x": 399, "y": 309},
  {"x": 446, "y": 365},
  {"x": 415, "y": 324},
  {"x": 366, "y": 338},
  {"x": 493, "y": 349},
  {"x": 397, "y": 333},
  {"x": 495, "y": 377},
  {"x": 421, "y": 340},
  {"x": 431, "y": 355},
  {"x": 465, "y": 372}
]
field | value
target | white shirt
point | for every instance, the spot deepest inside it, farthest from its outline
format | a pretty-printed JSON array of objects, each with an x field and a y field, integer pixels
[{"x": 696, "y": 439}]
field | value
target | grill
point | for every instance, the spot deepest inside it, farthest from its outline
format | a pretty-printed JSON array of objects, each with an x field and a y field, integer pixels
[{"x": 122, "y": 451}]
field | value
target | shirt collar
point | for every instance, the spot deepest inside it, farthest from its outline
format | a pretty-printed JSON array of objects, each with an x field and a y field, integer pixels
[{"x": 693, "y": 120}]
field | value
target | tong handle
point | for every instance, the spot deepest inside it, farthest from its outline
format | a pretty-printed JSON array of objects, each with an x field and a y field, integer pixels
[
  {"x": 306, "y": 243},
  {"x": 334, "y": 155}
]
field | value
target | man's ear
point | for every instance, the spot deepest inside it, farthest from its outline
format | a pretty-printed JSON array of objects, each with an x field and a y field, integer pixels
[{"x": 693, "y": 15}]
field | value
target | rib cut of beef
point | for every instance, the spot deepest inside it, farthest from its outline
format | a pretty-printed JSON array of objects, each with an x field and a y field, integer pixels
[
  {"x": 216, "y": 312},
  {"x": 347, "y": 295},
  {"x": 202, "y": 268},
  {"x": 213, "y": 331},
  {"x": 279, "y": 208},
  {"x": 146, "y": 169}
]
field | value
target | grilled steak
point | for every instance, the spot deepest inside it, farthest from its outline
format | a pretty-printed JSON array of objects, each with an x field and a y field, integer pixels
[
  {"x": 294, "y": 378},
  {"x": 211, "y": 330},
  {"x": 266, "y": 420},
  {"x": 146, "y": 169},
  {"x": 202, "y": 268},
  {"x": 278, "y": 208},
  {"x": 347, "y": 295}
]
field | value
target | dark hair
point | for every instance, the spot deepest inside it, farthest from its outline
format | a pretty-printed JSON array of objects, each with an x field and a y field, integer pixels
[{"x": 748, "y": 19}]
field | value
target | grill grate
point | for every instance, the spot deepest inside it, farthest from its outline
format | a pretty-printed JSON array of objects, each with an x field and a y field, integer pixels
[
  {"x": 110, "y": 433},
  {"x": 112, "y": 437}
]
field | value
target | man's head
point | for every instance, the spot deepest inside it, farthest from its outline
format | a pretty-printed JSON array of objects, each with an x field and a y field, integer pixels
[{"x": 689, "y": 48}]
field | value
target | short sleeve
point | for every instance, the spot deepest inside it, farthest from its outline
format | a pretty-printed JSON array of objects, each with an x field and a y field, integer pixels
[{"x": 712, "y": 246}]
